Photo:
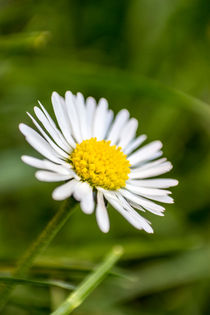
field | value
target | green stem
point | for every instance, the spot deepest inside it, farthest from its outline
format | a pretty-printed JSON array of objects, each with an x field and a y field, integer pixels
[
  {"x": 89, "y": 284},
  {"x": 40, "y": 244}
]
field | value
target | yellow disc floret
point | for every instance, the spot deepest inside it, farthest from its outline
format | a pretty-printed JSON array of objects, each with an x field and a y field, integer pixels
[{"x": 100, "y": 164}]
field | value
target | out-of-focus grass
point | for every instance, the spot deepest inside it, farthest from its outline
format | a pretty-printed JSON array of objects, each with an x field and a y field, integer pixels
[{"x": 152, "y": 58}]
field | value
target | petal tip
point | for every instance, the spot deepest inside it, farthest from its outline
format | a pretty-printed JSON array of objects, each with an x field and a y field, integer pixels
[
  {"x": 24, "y": 158},
  {"x": 176, "y": 182},
  {"x": 21, "y": 127},
  {"x": 56, "y": 196},
  {"x": 54, "y": 95},
  {"x": 105, "y": 231}
]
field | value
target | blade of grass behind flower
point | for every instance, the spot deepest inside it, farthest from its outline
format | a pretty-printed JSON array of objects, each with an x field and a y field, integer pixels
[
  {"x": 45, "y": 283},
  {"x": 160, "y": 275},
  {"x": 89, "y": 283}
]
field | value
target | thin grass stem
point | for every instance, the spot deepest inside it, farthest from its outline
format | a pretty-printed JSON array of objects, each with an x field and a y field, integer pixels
[
  {"x": 40, "y": 244},
  {"x": 89, "y": 283}
]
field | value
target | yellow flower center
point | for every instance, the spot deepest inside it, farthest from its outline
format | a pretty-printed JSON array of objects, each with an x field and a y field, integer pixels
[{"x": 100, "y": 164}]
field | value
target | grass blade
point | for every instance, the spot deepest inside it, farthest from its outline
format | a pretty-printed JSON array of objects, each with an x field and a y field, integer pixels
[
  {"x": 44, "y": 283},
  {"x": 89, "y": 284}
]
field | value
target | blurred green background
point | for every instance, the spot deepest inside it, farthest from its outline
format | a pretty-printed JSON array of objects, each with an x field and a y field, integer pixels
[{"x": 152, "y": 57}]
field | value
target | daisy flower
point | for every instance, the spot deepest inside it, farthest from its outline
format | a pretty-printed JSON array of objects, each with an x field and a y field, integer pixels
[{"x": 99, "y": 159}]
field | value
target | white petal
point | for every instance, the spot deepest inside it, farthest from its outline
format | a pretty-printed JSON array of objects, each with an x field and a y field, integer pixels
[
  {"x": 47, "y": 165},
  {"x": 59, "y": 107},
  {"x": 64, "y": 191},
  {"x": 164, "y": 199},
  {"x": 128, "y": 133},
  {"x": 151, "y": 193},
  {"x": 51, "y": 177},
  {"x": 100, "y": 119},
  {"x": 84, "y": 193},
  {"x": 109, "y": 119},
  {"x": 66, "y": 144},
  {"x": 134, "y": 205},
  {"x": 73, "y": 116},
  {"x": 90, "y": 113},
  {"x": 52, "y": 130},
  {"x": 38, "y": 143},
  {"x": 130, "y": 215},
  {"x": 134, "y": 144},
  {"x": 127, "y": 205},
  {"x": 154, "y": 211},
  {"x": 32, "y": 161},
  {"x": 147, "y": 204},
  {"x": 101, "y": 213},
  {"x": 81, "y": 111},
  {"x": 87, "y": 203},
  {"x": 148, "y": 152},
  {"x": 147, "y": 191},
  {"x": 62, "y": 153},
  {"x": 47, "y": 115},
  {"x": 117, "y": 126},
  {"x": 158, "y": 170},
  {"x": 157, "y": 183},
  {"x": 147, "y": 165}
]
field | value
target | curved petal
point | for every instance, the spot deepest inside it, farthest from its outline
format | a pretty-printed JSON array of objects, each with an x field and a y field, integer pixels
[
  {"x": 134, "y": 144},
  {"x": 128, "y": 133},
  {"x": 150, "y": 172},
  {"x": 51, "y": 121},
  {"x": 62, "y": 153},
  {"x": 147, "y": 191},
  {"x": 147, "y": 204},
  {"x": 102, "y": 214},
  {"x": 81, "y": 111},
  {"x": 59, "y": 107},
  {"x": 164, "y": 199},
  {"x": 148, "y": 152},
  {"x": 73, "y": 116},
  {"x": 109, "y": 119},
  {"x": 87, "y": 203},
  {"x": 52, "y": 130},
  {"x": 100, "y": 119},
  {"x": 156, "y": 183},
  {"x": 52, "y": 177},
  {"x": 47, "y": 165},
  {"x": 130, "y": 215},
  {"x": 39, "y": 143},
  {"x": 90, "y": 113},
  {"x": 117, "y": 126},
  {"x": 151, "y": 193},
  {"x": 64, "y": 191},
  {"x": 147, "y": 165},
  {"x": 129, "y": 204},
  {"x": 84, "y": 193}
]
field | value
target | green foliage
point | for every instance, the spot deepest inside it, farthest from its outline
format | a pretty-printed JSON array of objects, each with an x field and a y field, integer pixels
[{"x": 152, "y": 57}]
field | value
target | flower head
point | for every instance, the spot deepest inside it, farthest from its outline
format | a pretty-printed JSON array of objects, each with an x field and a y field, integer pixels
[{"x": 99, "y": 159}]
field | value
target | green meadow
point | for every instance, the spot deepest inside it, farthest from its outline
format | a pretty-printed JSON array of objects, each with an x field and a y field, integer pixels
[{"x": 151, "y": 57}]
